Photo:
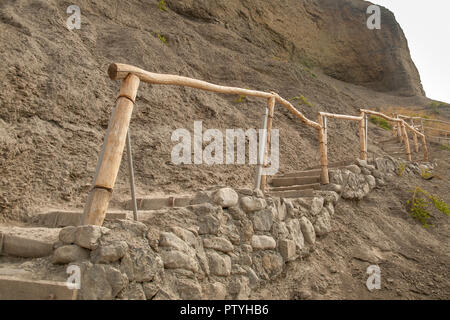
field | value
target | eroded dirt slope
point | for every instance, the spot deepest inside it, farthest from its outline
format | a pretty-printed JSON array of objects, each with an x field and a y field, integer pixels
[{"x": 55, "y": 97}]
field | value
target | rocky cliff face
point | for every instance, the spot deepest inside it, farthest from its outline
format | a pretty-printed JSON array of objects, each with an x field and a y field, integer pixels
[
  {"x": 56, "y": 99},
  {"x": 331, "y": 35}
]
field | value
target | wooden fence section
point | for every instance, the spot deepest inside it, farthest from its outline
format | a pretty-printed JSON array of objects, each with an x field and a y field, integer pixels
[{"x": 116, "y": 135}]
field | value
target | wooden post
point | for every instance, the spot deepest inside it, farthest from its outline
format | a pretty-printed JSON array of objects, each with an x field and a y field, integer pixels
[
  {"x": 394, "y": 127},
  {"x": 425, "y": 149},
  {"x": 111, "y": 154},
  {"x": 261, "y": 150},
  {"x": 406, "y": 141},
  {"x": 324, "y": 178},
  {"x": 416, "y": 144},
  {"x": 271, "y": 107},
  {"x": 399, "y": 129},
  {"x": 362, "y": 137}
]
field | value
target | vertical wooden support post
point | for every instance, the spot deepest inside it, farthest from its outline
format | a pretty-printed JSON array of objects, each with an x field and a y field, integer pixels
[
  {"x": 362, "y": 137},
  {"x": 399, "y": 129},
  {"x": 406, "y": 141},
  {"x": 261, "y": 150},
  {"x": 394, "y": 127},
  {"x": 425, "y": 149},
  {"x": 270, "y": 107},
  {"x": 111, "y": 154},
  {"x": 416, "y": 144},
  {"x": 324, "y": 178}
]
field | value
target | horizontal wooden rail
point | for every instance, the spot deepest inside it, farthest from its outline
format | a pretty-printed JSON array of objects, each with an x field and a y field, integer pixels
[
  {"x": 413, "y": 129},
  {"x": 431, "y": 128},
  {"x": 440, "y": 137},
  {"x": 118, "y": 71},
  {"x": 341, "y": 116},
  {"x": 382, "y": 115},
  {"x": 299, "y": 115},
  {"x": 424, "y": 119}
]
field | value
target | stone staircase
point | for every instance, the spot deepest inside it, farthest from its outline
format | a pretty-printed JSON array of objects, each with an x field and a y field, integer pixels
[
  {"x": 299, "y": 183},
  {"x": 396, "y": 149},
  {"x": 24, "y": 273},
  {"x": 26, "y": 270}
]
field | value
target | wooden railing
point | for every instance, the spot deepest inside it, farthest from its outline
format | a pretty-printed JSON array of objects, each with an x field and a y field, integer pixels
[{"x": 117, "y": 133}]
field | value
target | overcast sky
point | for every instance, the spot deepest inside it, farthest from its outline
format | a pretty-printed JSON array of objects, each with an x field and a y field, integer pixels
[{"x": 426, "y": 24}]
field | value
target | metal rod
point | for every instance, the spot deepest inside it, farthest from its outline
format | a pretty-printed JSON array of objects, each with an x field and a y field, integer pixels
[
  {"x": 366, "y": 127},
  {"x": 131, "y": 173},
  {"x": 262, "y": 147}
]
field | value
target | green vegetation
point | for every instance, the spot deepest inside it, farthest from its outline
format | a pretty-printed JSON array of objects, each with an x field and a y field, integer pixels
[
  {"x": 162, "y": 38},
  {"x": 240, "y": 99},
  {"x": 436, "y": 105},
  {"x": 162, "y": 5},
  {"x": 306, "y": 62},
  {"x": 302, "y": 100},
  {"x": 426, "y": 174},
  {"x": 401, "y": 169},
  {"x": 380, "y": 122},
  {"x": 444, "y": 147},
  {"x": 310, "y": 71},
  {"x": 420, "y": 203}
]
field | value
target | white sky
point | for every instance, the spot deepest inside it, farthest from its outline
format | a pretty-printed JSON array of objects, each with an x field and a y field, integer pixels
[{"x": 426, "y": 24}]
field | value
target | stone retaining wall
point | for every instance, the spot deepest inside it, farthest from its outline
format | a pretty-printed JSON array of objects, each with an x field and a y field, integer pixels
[{"x": 222, "y": 246}]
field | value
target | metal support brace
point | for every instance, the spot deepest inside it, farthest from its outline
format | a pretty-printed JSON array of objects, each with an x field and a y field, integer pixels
[
  {"x": 262, "y": 148},
  {"x": 131, "y": 174},
  {"x": 366, "y": 127}
]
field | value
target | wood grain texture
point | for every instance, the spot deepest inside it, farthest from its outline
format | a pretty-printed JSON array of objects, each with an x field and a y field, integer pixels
[
  {"x": 111, "y": 154},
  {"x": 271, "y": 107},
  {"x": 324, "y": 179}
]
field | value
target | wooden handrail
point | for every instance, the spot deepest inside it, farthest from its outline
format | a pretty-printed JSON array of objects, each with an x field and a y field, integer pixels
[
  {"x": 118, "y": 71},
  {"x": 436, "y": 129},
  {"x": 341, "y": 116},
  {"x": 299, "y": 115},
  {"x": 425, "y": 119},
  {"x": 113, "y": 146},
  {"x": 382, "y": 115}
]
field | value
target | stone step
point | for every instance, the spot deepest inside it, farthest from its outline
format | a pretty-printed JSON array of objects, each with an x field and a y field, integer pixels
[
  {"x": 292, "y": 181},
  {"x": 12, "y": 288},
  {"x": 393, "y": 139},
  {"x": 292, "y": 193},
  {"x": 399, "y": 152},
  {"x": 156, "y": 203},
  {"x": 394, "y": 150},
  {"x": 299, "y": 174},
  {"x": 28, "y": 242},
  {"x": 61, "y": 218},
  {"x": 314, "y": 186},
  {"x": 397, "y": 143},
  {"x": 335, "y": 164}
]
